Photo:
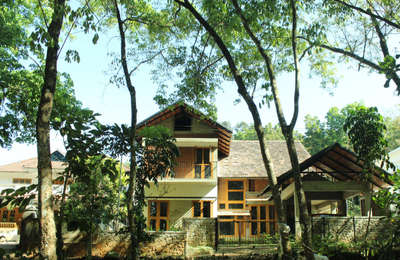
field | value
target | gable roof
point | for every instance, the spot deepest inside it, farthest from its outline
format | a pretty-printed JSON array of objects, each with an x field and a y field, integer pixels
[
  {"x": 29, "y": 164},
  {"x": 224, "y": 135},
  {"x": 245, "y": 160},
  {"x": 340, "y": 163}
]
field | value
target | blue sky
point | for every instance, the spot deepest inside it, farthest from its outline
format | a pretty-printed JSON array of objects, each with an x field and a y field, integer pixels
[{"x": 94, "y": 90}]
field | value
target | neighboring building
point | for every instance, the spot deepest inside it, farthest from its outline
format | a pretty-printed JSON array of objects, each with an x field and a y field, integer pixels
[{"x": 24, "y": 173}]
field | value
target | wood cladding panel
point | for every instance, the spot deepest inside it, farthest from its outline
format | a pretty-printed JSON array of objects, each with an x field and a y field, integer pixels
[{"x": 185, "y": 161}]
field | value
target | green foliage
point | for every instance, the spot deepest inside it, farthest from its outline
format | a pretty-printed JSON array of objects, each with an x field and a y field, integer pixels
[
  {"x": 244, "y": 131},
  {"x": 319, "y": 135},
  {"x": 366, "y": 130}
]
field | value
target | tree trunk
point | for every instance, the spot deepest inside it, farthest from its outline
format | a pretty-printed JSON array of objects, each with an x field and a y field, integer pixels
[
  {"x": 60, "y": 241},
  {"x": 132, "y": 188},
  {"x": 283, "y": 231},
  {"x": 45, "y": 200}
]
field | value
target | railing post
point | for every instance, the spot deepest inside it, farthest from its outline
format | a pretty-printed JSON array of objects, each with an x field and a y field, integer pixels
[
  {"x": 239, "y": 232},
  {"x": 216, "y": 234}
]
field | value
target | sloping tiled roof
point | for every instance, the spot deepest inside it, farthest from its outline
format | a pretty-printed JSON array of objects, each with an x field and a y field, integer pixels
[
  {"x": 224, "y": 134},
  {"x": 25, "y": 165},
  {"x": 245, "y": 159}
]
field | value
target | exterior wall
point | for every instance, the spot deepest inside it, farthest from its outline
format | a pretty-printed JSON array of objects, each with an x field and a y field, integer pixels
[
  {"x": 348, "y": 229},
  {"x": 186, "y": 162},
  {"x": 200, "y": 232},
  {"x": 179, "y": 210},
  {"x": 260, "y": 184},
  {"x": 185, "y": 190},
  {"x": 198, "y": 127}
]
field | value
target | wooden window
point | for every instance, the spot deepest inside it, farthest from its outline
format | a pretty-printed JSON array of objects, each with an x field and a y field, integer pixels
[
  {"x": 158, "y": 215},
  {"x": 252, "y": 185},
  {"x": 202, "y": 167},
  {"x": 183, "y": 123},
  {"x": 235, "y": 194},
  {"x": 202, "y": 209},
  {"x": 22, "y": 181},
  {"x": 262, "y": 219}
]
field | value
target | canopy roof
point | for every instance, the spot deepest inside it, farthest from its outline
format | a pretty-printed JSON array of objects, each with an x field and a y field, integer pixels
[
  {"x": 222, "y": 133},
  {"x": 340, "y": 163}
]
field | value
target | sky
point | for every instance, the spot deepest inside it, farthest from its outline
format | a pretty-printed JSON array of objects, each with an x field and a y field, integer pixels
[{"x": 92, "y": 88}]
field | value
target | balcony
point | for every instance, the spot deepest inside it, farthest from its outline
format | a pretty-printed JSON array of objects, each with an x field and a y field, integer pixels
[{"x": 190, "y": 172}]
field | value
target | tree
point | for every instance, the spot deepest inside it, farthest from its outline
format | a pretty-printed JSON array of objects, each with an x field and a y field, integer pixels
[
  {"x": 366, "y": 130},
  {"x": 363, "y": 33},
  {"x": 231, "y": 16},
  {"x": 319, "y": 134}
]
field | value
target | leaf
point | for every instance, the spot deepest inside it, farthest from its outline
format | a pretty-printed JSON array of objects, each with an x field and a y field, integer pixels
[{"x": 95, "y": 38}]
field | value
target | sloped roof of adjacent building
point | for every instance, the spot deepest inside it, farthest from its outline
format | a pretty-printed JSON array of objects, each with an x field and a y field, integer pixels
[
  {"x": 57, "y": 162},
  {"x": 245, "y": 159}
]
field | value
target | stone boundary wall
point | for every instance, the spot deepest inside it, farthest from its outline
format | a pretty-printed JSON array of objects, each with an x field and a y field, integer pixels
[
  {"x": 349, "y": 229},
  {"x": 200, "y": 231},
  {"x": 164, "y": 243}
]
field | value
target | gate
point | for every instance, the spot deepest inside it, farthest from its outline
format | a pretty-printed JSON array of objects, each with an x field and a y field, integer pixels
[{"x": 238, "y": 231}]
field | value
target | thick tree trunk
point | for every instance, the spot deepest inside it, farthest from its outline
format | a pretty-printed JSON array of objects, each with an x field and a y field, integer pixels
[
  {"x": 132, "y": 188},
  {"x": 45, "y": 200}
]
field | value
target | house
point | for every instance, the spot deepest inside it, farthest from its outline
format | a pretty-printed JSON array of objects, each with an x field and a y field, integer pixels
[
  {"x": 217, "y": 177},
  {"x": 23, "y": 173}
]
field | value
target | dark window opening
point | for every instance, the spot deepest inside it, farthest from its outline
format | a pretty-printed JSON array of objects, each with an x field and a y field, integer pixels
[
  {"x": 183, "y": 123},
  {"x": 196, "y": 209},
  {"x": 235, "y": 195},
  {"x": 227, "y": 228},
  {"x": 252, "y": 185},
  {"x": 222, "y": 206},
  {"x": 235, "y": 185},
  {"x": 236, "y": 206},
  {"x": 206, "y": 209}
]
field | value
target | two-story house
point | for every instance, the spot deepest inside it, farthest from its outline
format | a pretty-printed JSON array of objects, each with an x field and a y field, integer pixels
[{"x": 215, "y": 177}]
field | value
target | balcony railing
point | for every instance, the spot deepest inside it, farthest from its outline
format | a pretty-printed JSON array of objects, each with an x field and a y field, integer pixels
[{"x": 191, "y": 170}]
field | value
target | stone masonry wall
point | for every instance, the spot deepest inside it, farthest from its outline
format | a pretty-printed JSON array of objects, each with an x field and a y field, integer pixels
[
  {"x": 167, "y": 243},
  {"x": 200, "y": 231},
  {"x": 348, "y": 229}
]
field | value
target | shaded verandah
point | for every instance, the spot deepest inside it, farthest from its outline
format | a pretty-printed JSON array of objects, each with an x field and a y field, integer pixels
[{"x": 331, "y": 177}]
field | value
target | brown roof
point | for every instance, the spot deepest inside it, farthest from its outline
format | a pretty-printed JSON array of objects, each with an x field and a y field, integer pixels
[
  {"x": 27, "y": 164},
  {"x": 342, "y": 164},
  {"x": 245, "y": 159},
  {"x": 224, "y": 135}
]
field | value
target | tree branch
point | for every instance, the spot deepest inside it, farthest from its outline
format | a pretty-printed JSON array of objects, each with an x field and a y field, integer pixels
[
  {"x": 296, "y": 68},
  {"x": 43, "y": 14},
  {"x": 368, "y": 12},
  {"x": 346, "y": 53},
  {"x": 144, "y": 61}
]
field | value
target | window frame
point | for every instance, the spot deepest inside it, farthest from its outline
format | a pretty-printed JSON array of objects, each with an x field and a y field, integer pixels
[
  {"x": 243, "y": 190},
  {"x": 202, "y": 208},
  {"x": 158, "y": 216},
  {"x": 268, "y": 220},
  {"x": 203, "y": 163}
]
